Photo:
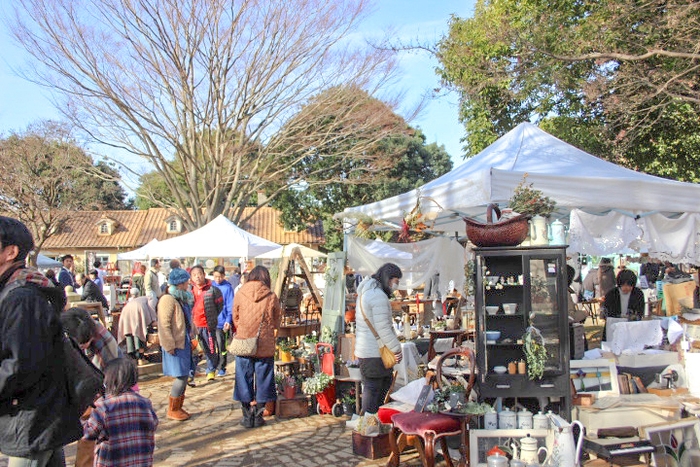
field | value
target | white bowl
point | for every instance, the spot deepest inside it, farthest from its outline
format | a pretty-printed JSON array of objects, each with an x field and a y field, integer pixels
[
  {"x": 510, "y": 308},
  {"x": 500, "y": 370},
  {"x": 493, "y": 335},
  {"x": 492, "y": 310}
]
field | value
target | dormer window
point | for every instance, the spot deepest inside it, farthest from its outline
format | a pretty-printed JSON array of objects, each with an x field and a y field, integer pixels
[
  {"x": 106, "y": 226},
  {"x": 173, "y": 225}
]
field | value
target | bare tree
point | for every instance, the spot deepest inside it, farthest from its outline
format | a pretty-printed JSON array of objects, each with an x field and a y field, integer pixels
[
  {"x": 45, "y": 177},
  {"x": 212, "y": 84}
]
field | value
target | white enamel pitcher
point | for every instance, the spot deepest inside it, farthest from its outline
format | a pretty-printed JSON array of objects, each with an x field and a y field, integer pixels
[
  {"x": 538, "y": 231},
  {"x": 558, "y": 230},
  {"x": 564, "y": 452}
]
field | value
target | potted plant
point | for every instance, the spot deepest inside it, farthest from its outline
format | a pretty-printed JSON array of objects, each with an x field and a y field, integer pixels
[
  {"x": 285, "y": 348},
  {"x": 317, "y": 383},
  {"x": 310, "y": 341},
  {"x": 353, "y": 367},
  {"x": 349, "y": 400},
  {"x": 289, "y": 387},
  {"x": 527, "y": 200},
  {"x": 535, "y": 353}
]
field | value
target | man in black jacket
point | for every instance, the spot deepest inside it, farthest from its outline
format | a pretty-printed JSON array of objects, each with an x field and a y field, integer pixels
[
  {"x": 91, "y": 292},
  {"x": 36, "y": 416}
]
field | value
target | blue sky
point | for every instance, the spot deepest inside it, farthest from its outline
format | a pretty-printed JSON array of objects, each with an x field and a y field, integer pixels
[{"x": 22, "y": 102}]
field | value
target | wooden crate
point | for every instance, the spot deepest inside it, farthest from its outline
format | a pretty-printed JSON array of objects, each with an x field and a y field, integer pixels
[
  {"x": 371, "y": 447},
  {"x": 292, "y": 408}
]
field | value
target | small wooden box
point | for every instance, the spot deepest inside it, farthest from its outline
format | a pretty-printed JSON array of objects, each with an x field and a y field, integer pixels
[
  {"x": 371, "y": 447},
  {"x": 292, "y": 408},
  {"x": 583, "y": 399}
]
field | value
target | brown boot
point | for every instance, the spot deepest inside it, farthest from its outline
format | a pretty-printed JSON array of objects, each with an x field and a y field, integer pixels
[
  {"x": 182, "y": 402},
  {"x": 175, "y": 411}
]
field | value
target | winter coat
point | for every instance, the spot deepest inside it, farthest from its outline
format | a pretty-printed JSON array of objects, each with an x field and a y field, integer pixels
[
  {"x": 226, "y": 315},
  {"x": 92, "y": 293},
  {"x": 376, "y": 306},
  {"x": 208, "y": 304},
  {"x": 255, "y": 301},
  {"x": 636, "y": 304},
  {"x": 35, "y": 412},
  {"x": 171, "y": 324}
]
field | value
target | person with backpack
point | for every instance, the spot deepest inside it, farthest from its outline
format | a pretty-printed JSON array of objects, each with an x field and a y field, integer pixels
[{"x": 37, "y": 417}]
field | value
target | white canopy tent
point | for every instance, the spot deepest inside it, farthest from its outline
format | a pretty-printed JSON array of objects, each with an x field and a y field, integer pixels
[
  {"x": 418, "y": 261},
  {"x": 286, "y": 250},
  {"x": 576, "y": 180},
  {"x": 220, "y": 238},
  {"x": 139, "y": 253},
  {"x": 43, "y": 261}
]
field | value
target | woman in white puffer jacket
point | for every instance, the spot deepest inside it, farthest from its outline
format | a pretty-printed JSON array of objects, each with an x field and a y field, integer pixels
[{"x": 373, "y": 300}]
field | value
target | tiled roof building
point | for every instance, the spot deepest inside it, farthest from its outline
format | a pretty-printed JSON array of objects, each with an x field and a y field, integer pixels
[{"x": 103, "y": 234}]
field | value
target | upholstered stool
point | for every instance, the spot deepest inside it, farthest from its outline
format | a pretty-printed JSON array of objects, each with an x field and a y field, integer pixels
[{"x": 411, "y": 428}]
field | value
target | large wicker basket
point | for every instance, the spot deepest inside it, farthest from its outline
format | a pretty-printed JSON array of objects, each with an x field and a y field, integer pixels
[{"x": 509, "y": 232}]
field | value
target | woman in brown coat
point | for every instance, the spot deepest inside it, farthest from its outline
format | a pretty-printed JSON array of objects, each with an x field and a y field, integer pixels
[{"x": 256, "y": 312}]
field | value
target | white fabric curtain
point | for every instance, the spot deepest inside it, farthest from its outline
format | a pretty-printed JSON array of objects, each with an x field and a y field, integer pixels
[
  {"x": 672, "y": 239},
  {"x": 418, "y": 261}
]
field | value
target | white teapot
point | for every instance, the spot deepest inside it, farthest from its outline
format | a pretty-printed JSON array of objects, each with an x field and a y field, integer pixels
[{"x": 529, "y": 452}]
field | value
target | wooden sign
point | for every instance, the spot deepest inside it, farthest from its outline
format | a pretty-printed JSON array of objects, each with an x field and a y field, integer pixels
[{"x": 422, "y": 399}]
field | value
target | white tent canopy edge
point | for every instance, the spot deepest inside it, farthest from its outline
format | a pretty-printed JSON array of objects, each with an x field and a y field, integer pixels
[{"x": 570, "y": 176}]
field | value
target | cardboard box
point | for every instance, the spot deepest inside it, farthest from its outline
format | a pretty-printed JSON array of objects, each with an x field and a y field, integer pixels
[
  {"x": 371, "y": 447},
  {"x": 292, "y": 408},
  {"x": 668, "y": 392}
]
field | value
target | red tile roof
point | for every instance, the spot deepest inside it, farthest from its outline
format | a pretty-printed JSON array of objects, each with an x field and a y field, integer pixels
[{"x": 136, "y": 228}]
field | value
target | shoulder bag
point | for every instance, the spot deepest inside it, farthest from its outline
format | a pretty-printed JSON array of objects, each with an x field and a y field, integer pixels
[
  {"x": 388, "y": 357},
  {"x": 84, "y": 381},
  {"x": 245, "y": 347}
]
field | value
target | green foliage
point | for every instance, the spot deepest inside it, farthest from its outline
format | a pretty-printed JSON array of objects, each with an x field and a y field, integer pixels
[
  {"x": 616, "y": 79},
  {"x": 317, "y": 383},
  {"x": 285, "y": 345},
  {"x": 527, "y": 200},
  {"x": 408, "y": 164}
]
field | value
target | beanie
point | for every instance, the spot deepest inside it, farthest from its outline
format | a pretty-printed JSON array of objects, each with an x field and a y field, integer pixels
[{"x": 178, "y": 276}]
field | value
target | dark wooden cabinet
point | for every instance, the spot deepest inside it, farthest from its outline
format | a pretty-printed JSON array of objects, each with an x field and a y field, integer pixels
[{"x": 518, "y": 287}]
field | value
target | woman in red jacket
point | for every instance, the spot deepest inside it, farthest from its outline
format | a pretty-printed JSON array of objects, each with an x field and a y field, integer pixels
[{"x": 256, "y": 312}]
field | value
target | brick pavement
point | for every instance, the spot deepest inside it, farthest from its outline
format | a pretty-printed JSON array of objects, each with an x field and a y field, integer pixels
[{"x": 214, "y": 437}]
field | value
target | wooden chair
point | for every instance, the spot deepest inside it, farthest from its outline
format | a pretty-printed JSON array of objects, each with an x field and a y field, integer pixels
[{"x": 423, "y": 429}]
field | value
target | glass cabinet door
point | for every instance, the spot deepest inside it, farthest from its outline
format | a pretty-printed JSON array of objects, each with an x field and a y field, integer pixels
[{"x": 546, "y": 313}]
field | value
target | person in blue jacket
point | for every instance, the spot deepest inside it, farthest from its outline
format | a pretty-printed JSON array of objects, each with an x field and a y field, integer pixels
[{"x": 225, "y": 323}]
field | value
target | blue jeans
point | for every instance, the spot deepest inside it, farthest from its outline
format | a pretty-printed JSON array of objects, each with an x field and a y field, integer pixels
[
  {"x": 212, "y": 357},
  {"x": 53, "y": 458},
  {"x": 255, "y": 380}
]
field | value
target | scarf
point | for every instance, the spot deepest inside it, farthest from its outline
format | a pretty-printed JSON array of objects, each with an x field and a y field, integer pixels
[{"x": 184, "y": 296}]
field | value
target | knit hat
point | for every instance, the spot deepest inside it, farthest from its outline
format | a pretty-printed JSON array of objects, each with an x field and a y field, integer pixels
[{"x": 178, "y": 276}]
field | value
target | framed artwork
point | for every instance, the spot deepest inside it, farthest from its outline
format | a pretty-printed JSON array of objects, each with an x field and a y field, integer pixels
[
  {"x": 676, "y": 443},
  {"x": 482, "y": 441},
  {"x": 597, "y": 377}
]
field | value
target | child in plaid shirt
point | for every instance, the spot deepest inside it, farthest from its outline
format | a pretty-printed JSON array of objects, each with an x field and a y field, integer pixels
[{"x": 123, "y": 423}]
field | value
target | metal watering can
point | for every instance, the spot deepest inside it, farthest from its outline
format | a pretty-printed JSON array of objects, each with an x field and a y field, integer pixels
[{"x": 564, "y": 453}]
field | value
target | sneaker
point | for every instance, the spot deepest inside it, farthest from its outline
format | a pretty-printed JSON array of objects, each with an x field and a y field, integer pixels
[
  {"x": 210, "y": 376},
  {"x": 221, "y": 373}
]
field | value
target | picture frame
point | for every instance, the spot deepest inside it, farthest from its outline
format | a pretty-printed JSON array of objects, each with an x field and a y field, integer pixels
[
  {"x": 670, "y": 439},
  {"x": 598, "y": 377},
  {"x": 481, "y": 441}
]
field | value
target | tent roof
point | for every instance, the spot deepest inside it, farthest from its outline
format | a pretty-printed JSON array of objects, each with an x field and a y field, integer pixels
[
  {"x": 286, "y": 250},
  {"x": 43, "y": 261},
  {"x": 570, "y": 176},
  {"x": 220, "y": 238},
  {"x": 139, "y": 253}
]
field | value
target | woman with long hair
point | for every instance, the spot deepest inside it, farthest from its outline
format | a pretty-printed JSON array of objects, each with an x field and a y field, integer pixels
[
  {"x": 373, "y": 306},
  {"x": 256, "y": 312}
]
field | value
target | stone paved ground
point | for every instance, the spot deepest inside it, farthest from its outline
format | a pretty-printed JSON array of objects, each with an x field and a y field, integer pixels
[{"x": 213, "y": 436}]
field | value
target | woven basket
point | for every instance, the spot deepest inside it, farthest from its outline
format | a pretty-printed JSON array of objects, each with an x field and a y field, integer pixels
[{"x": 510, "y": 232}]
